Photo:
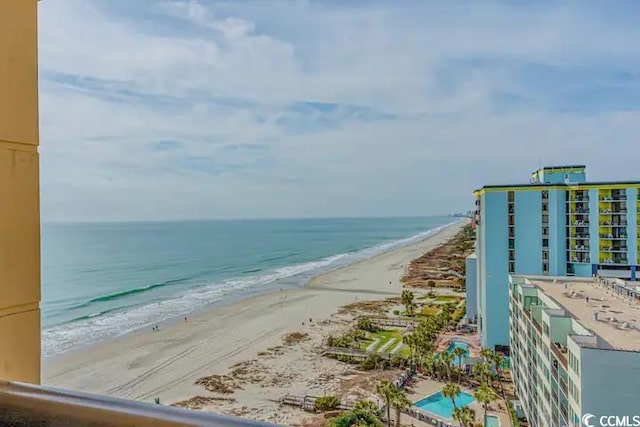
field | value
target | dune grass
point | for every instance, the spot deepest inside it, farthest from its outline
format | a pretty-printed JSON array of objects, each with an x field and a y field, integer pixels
[
  {"x": 429, "y": 311},
  {"x": 449, "y": 298}
]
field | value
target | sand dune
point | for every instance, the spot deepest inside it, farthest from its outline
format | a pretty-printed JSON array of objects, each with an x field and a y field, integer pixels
[{"x": 247, "y": 343}]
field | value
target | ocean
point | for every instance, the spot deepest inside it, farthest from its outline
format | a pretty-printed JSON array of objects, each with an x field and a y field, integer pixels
[{"x": 102, "y": 280}]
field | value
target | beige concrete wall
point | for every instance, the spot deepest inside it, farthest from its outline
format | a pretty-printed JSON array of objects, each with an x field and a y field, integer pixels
[{"x": 19, "y": 193}]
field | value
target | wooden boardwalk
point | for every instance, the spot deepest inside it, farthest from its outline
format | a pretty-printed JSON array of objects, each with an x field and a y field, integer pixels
[
  {"x": 352, "y": 352},
  {"x": 401, "y": 322}
]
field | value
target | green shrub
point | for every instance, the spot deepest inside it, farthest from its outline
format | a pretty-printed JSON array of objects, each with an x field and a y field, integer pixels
[
  {"x": 347, "y": 340},
  {"x": 512, "y": 414},
  {"x": 364, "y": 414},
  {"x": 358, "y": 334},
  {"x": 396, "y": 312},
  {"x": 398, "y": 361},
  {"x": 373, "y": 361},
  {"x": 366, "y": 324},
  {"x": 326, "y": 403}
]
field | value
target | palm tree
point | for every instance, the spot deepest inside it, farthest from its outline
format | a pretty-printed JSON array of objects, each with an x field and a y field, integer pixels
[
  {"x": 424, "y": 343},
  {"x": 499, "y": 361},
  {"x": 411, "y": 307},
  {"x": 431, "y": 284},
  {"x": 481, "y": 371},
  {"x": 399, "y": 401},
  {"x": 446, "y": 314},
  {"x": 366, "y": 406},
  {"x": 459, "y": 352},
  {"x": 428, "y": 364},
  {"x": 465, "y": 416},
  {"x": 363, "y": 414},
  {"x": 411, "y": 340},
  {"x": 386, "y": 390},
  {"x": 407, "y": 300},
  {"x": 485, "y": 395},
  {"x": 487, "y": 354},
  {"x": 447, "y": 359},
  {"x": 451, "y": 391}
]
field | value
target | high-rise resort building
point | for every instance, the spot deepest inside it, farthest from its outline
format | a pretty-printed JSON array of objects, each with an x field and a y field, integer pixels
[
  {"x": 556, "y": 225},
  {"x": 575, "y": 350}
]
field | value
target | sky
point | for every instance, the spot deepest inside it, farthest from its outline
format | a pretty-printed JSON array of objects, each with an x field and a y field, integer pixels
[{"x": 196, "y": 109}]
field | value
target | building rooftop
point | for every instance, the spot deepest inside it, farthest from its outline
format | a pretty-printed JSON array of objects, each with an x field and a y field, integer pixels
[
  {"x": 560, "y": 167},
  {"x": 618, "y": 315},
  {"x": 562, "y": 185}
]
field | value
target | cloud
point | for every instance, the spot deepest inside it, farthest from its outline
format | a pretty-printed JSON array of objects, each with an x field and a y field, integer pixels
[{"x": 211, "y": 109}]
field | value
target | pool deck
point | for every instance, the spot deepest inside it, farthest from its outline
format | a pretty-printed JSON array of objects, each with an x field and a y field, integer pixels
[
  {"x": 425, "y": 387},
  {"x": 444, "y": 340}
]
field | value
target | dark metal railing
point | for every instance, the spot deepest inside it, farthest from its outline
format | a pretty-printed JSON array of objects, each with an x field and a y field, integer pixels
[{"x": 27, "y": 405}]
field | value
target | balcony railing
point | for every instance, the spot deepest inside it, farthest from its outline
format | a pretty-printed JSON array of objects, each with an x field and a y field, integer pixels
[
  {"x": 613, "y": 223},
  {"x": 578, "y": 224},
  {"x": 621, "y": 261},
  {"x": 613, "y": 237},
  {"x": 26, "y": 404}
]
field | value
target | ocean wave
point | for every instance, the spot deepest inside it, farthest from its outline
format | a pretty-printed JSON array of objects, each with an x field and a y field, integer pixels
[
  {"x": 99, "y": 313},
  {"x": 253, "y": 270},
  {"x": 123, "y": 294},
  {"x": 115, "y": 322}
]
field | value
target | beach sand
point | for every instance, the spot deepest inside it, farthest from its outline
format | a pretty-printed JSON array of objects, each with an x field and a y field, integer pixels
[{"x": 245, "y": 342}]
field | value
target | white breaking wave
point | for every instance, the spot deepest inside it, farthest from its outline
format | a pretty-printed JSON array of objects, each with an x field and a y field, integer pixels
[{"x": 63, "y": 338}]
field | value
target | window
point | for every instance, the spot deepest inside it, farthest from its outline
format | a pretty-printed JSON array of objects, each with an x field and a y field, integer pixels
[
  {"x": 545, "y": 243},
  {"x": 574, "y": 363},
  {"x": 510, "y": 196},
  {"x": 512, "y": 267},
  {"x": 545, "y": 267}
]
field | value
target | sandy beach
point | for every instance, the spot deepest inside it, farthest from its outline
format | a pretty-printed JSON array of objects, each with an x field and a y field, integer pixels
[{"x": 249, "y": 339}]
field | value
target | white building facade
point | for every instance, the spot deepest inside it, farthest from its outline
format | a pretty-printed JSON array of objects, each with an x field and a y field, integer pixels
[{"x": 575, "y": 349}]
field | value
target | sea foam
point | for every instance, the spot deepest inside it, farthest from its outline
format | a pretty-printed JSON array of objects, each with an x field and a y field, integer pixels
[{"x": 108, "y": 324}]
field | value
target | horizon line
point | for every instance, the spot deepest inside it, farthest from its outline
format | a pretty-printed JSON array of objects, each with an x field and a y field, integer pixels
[{"x": 144, "y": 221}]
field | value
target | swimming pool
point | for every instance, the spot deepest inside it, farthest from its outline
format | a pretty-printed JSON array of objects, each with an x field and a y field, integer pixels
[
  {"x": 458, "y": 344},
  {"x": 442, "y": 406},
  {"x": 491, "y": 421}
]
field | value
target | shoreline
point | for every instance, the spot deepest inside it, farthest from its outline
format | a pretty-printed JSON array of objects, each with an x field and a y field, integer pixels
[
  {"x": 247, "y": 294},
  {"x": 145, "y": 365}
]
